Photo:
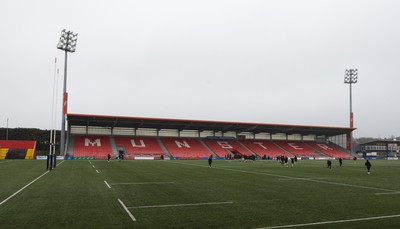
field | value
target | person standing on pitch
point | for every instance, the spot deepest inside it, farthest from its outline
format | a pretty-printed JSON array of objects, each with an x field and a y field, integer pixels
[
  {"x": 120, "y": 156},
  {"x": 108, "y": 157},
  {"x": 210, "y": 160},
  {"x": 340, "y": 161},
  {"x": 329, "y": 163},
  {"x": 368, "y": 164}
]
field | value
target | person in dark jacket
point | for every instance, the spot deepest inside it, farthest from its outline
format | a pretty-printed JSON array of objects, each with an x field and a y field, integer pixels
[
  {"x": 329, "y": 163},
  {"x": 340, "y": 161},
  {"x": 368, "y": 165},
  {"x": 210, "y": 160}
]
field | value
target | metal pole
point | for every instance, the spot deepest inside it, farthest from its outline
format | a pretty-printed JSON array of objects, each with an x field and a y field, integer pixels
[
  {"x": 67, "y": 43},
  {"x": 55, "y": 118},
  {"x": 62, "y": 140},
  {"x": 7, "y": 130},
  {"x": 53, "y": 109},
  {"x": 351, "y": 116},
  {"x": 351, "y": 106},
  {"x": 51, "y": 142},
  {"x": 351, "y": 76}
]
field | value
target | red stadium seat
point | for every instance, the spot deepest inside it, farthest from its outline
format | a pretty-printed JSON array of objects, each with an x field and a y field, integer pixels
[
  {"x": 224, "y": 147},
  {"x": 186, "y": 148},
  {"x": 329, "y": 150},
  {"x": 297, "y": 148},
  {"x": 267, "y": 148},
  {"x": 92, "y": 146},
  {"x": 140, "y": 146}
]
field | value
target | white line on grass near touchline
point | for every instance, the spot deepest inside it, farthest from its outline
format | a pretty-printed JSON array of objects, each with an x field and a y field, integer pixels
[
  {"x": 387, "y": 193},
  {"x": 332, "y": 222},
  {"x": 183, "y": 205},
  {"x": 107, "y": 184},
  {"x": 141, "y": 183},
  {"x": 26, "y": 186},
  {"x": 127, "y": 211}
]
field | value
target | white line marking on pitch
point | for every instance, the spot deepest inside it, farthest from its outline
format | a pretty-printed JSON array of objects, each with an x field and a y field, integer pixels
[
  {"x": 295, "y": 178},
  {"x": 331, "y": 222},
  {"x": 27, "y": 186},
  {"x": 127, "y": 210},
  {"x": 183, "y": 205},
  {"x": 93, "y": 166},
  {"x": 290, "y": 179},
  {"x": 387, "y": 193},
  {"x": 141, "y": 183},
  {"x": 97, "y": 171},
  {"x": 23, "y": 188},
  {"x": 107, "y": 184}
]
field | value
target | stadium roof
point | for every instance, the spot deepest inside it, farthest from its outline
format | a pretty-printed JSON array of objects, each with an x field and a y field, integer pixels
[{"x": 185, "y": 124}]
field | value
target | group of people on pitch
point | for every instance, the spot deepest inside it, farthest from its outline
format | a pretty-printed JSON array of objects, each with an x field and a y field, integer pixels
[
  {"x": 367, "y": 164},
  {"x": 120, "y": 156},
  {"x": 284, "y": 160}
]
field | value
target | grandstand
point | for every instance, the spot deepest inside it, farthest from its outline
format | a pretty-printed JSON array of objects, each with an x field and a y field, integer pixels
[
  {"x": 17, "y": 149},
  {"x": 139, "y": 146},
  {"x": 95, "y": 136}
]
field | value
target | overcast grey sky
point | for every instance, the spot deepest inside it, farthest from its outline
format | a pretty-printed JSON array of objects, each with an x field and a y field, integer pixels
[{"x": 280, "y": 61}]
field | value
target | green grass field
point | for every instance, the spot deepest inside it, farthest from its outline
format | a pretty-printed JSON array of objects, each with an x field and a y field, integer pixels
[{"x": 188, "y": 194}]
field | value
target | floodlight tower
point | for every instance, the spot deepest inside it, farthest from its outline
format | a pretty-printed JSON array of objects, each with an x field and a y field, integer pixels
[
  {"x": 351, "y": 77},
  {"x": 67, "y": 43}
]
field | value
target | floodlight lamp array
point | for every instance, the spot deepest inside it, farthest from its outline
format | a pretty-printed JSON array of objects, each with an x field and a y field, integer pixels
[
  {"x": 67, "y": 41},
  {"x": 351, "y": 76}
]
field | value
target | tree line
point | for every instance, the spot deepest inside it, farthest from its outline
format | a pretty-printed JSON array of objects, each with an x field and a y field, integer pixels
[{"x": 42, "y": 137}]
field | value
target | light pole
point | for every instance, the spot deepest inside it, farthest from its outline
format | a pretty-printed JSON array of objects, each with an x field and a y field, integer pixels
[
  {"x": 68, "y": 44},
  {"x": 350, "y": 77},
  {"x": 7, "y": 130}
]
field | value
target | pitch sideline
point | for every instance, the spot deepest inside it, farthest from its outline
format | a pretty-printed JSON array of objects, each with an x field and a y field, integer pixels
[
  {"x": 331, "y": 222},
  {"x": 4, "y": 201}
]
